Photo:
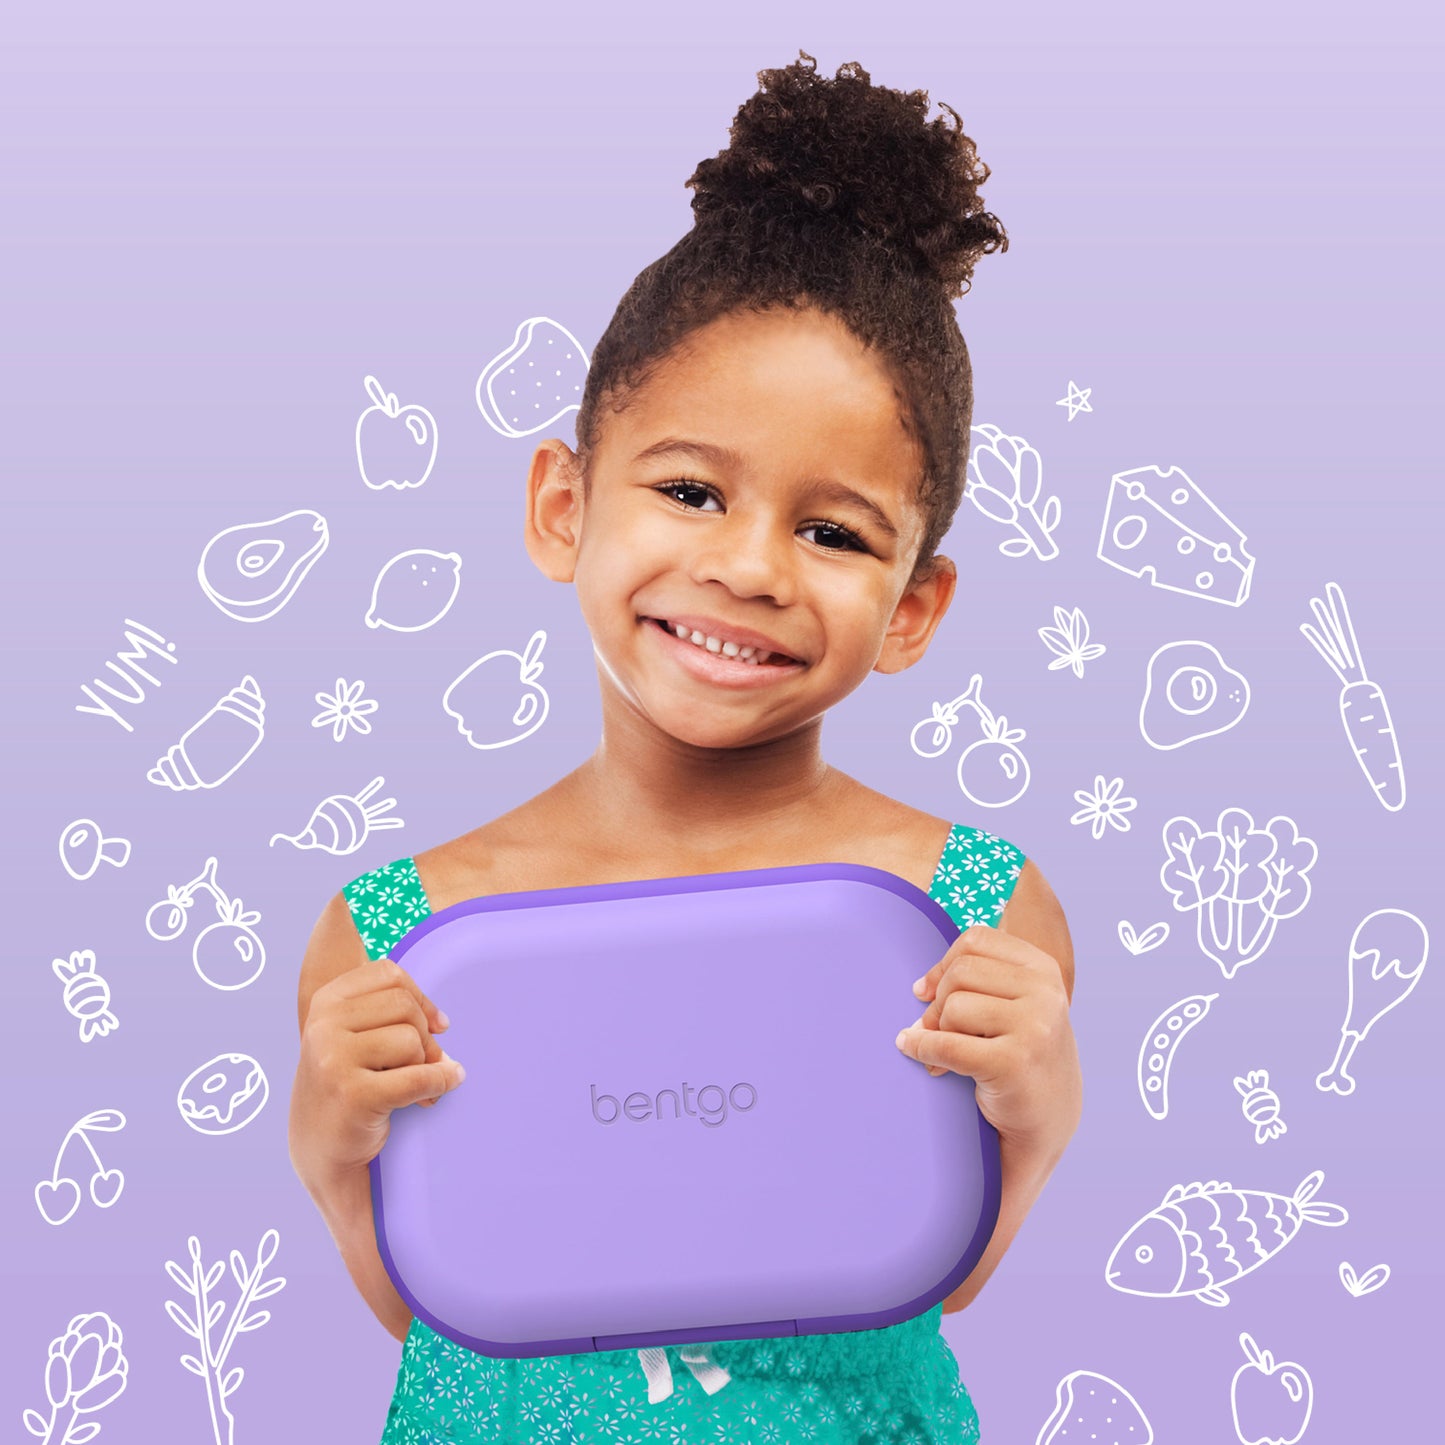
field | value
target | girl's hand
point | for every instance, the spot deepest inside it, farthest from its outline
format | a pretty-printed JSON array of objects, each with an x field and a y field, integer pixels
[
  {"x": 366, "y": 1049},
  {"x": 998, "y": 1012}
]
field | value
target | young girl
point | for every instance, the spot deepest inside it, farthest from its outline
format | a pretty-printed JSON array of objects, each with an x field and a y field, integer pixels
[{"x": 772, "y": 442}]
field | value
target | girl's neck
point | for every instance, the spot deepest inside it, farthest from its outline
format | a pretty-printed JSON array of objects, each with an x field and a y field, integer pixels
[{"x": 671, "y": 799}]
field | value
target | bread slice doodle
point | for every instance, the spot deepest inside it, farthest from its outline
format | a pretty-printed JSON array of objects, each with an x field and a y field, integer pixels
[{"x": 1092, "y": 1409}]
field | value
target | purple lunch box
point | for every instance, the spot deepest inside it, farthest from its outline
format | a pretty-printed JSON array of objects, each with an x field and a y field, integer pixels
[{"x": 684, "y": 1117}]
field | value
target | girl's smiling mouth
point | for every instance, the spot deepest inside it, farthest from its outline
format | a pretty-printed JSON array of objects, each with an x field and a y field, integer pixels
[{"x": 717, "y": 667}]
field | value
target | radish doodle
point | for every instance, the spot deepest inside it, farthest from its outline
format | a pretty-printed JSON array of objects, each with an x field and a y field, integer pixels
[{"x": 992, "y": 772}]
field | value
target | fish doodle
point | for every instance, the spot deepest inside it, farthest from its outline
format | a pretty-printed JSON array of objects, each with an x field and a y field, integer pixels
[{"x": 1203, "y": 1237}]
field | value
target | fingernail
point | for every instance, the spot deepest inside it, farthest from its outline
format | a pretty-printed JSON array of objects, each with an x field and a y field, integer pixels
[
  {"x": 443, "y": 1022},
  {"x": 902, "y": 1035},
  {"x": 918, "y": 985}
]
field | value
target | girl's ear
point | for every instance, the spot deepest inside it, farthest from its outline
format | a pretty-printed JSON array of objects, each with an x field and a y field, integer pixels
[
  {"x": 553, "y": 524},
  {"x": 916, "y": 618}
]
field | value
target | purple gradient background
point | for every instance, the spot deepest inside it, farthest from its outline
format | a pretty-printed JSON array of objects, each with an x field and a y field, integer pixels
[{"x": 1229, "y": 233}]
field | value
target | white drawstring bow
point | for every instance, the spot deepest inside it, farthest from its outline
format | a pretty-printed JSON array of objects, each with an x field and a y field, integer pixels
[{"x": 697, "y": 1357}]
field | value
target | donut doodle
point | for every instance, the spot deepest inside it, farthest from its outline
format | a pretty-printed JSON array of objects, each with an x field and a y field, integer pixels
[
  {"x": 223, "y": 1095},
  {"x": 1156, "y": 1053}
]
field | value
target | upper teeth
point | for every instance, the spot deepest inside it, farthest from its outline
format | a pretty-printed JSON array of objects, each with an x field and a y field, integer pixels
[{"x": 750, "y": 654}]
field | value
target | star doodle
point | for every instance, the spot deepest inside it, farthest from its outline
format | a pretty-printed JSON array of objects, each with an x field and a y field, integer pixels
[{"x": 1076, "y": 400}]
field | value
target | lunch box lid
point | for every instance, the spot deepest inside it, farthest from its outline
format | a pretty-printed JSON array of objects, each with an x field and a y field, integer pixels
[{"x": 684, "y": 1117}]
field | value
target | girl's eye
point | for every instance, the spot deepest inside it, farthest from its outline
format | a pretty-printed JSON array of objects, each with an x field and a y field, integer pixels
[{"x": 850, "y": 539}]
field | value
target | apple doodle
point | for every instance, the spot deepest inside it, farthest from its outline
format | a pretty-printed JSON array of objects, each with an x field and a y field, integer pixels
[
  {"x": 252, "y": 570},
  {"x": 396, "y": 446},
  {"x": 535, "y": 381},
  {"x": 1271, "y": 1403},
  {"x": 414, "y": 590},
  {"x": 1189, "y": 694},
  {"x": 1160, "y": 525},
  {"x": 486, "y": 703}
]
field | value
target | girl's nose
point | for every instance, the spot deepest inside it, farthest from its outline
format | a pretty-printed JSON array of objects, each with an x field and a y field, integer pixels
[{"x": 750, "y": 559}]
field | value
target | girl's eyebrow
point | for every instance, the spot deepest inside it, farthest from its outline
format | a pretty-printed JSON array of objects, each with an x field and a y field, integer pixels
[{"x": 719, "y": 456}]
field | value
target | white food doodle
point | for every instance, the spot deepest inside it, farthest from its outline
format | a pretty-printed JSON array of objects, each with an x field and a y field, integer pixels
[
  {"x": 85, "y": 1369},
  {"x": 1161, "y": 1043},
  {"x": 1260, "y": 1105},
  {"x": 227, "y": 953},
  {"x": 537, "y": 380},
  {"x": 152, "y": 643},
  {"x": 206, "y": 1309},
  {"x": 252, "y": 570},
  {"x": 1271, "y": 1403},
  {"x": 1105, "y": 807},
  {"x": 340, "y": 824},
  {"x": 58, "y": 1197},
  {"x": 1160, "y": 525},
  {"x": 497, "y": 705},
  {"x": 1363, "y": 710},
  {"x": 396, "y": 446},
  {"x": 1189, "y": 693},
  {"x": 403, "y": 597},
  {"x": 1367, "y": 1283},
  {"x": 992, "y": 771},
  {"x": 1388, "y": 950},
  {"x": 1240, "y": 881},
  {"x": 83, "y": 848},
  {"x": 1076, "y": 400},
  {"x": 1202, "y": 1237},
  {"x": 1068, "y": 638},
  {"x": 344, "y": 709},
  {"x": 87, "y": 994},
  {"x": 1145, "y": 942},
  {"x": 213, "y": 748},
  {"x": 1005, "y": 475},
  {"x": 1092, "y": 1407},
  {"x": 224, "y": 1094}
]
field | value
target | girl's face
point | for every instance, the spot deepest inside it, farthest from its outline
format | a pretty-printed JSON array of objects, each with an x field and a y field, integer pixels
[{"x": 752, "y": 539}]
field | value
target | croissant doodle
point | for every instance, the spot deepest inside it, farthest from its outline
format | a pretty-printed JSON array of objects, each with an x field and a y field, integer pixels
[
  {"x": 341, "y": 824},
  {"x": 213, "y": 748}
]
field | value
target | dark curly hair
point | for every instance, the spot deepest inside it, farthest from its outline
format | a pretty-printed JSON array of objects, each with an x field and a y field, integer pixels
[{"x": 838, "y": 195}]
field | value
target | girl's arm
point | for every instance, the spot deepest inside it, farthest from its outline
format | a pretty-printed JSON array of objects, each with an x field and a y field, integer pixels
[
  {"x": 1035, "y": 915},
  {"x": 338, "y": 1115},
  {"x": 345, "y": 1205},
  {"x": 1026, "y": 1170}
]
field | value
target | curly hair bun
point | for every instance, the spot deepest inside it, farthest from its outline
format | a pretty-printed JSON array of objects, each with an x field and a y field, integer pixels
[{"x": 807, "y": 151}]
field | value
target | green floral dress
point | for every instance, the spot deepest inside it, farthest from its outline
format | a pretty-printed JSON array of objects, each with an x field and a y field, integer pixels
[{"x": 893, "y": 1386}]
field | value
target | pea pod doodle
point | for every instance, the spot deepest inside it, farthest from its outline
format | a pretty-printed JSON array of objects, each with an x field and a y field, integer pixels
[{"x": 1156, "y": 1053}]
